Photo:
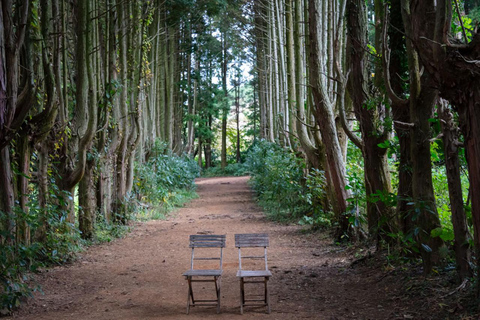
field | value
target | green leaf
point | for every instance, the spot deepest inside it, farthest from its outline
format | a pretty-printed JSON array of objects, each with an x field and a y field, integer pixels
[{"x": 426, "y": 247}]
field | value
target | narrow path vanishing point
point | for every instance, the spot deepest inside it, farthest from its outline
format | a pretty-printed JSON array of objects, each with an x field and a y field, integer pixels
[{"x": 139, "y": 277}]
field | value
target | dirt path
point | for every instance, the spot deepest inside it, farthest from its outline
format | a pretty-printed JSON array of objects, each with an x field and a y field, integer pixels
[{"x": 139, "y": 277}]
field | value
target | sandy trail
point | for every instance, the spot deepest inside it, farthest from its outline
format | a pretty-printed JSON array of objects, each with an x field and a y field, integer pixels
[{"x": 139, "y": 277}]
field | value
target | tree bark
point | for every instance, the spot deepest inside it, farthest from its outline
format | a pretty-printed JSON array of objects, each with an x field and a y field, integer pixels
[
  {"x": 457, "y": 76},
  {"x": 121, "y": 165},
  {"x": 225, "y": 104},
  {"x": 395, "y": 65},
  {"x": 423, "y": 96},
  {"x": 296, "y": 83},
  {"x": 86, "y": 187},
  {"x": 12, "y": 113},
  {"x": 452, "y": 163},
  {"x": 23, "y": 151},
  {"x": 237, "y": 110},
  {"x": 377, "y": 175},
  {"x": 326, "y": 121}
]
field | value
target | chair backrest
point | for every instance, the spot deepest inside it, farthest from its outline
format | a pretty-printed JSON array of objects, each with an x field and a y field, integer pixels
[
  {"x": 207, "y": 241},
  {"x": 251, "y": 240}
]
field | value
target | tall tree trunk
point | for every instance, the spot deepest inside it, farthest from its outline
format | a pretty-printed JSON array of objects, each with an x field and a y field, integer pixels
[
  {"x": 170, "y": 87},
  {"x": 86, "y": 187},
  {"x": 470, "y": 125},
  {"x": 395, "y": 63},
  {"x": 225, "y": 104},
  {"x": 191, "y": 133},
  {"x": 377, "y": 176},
  {"x": 178, "y": 104},
  {"x": 260, "y": 8},
  {"x": 6, "y": 194},
  {"x": 452, "y": 164},
  {"x": 208, "y": 143},
  {"x": 326, "y": 121},
  {"x": 85, "y": 119},
  {"x": 200, "y": 146},
  {"x": 290, "y": 71},
  {"x": 12, "y": 113},
  {"x": 237, "y": 110},
  {"x": 191, "y": 97},
  {"x": 422, "y": 100},
  {"x": 296, "y": 83},
  {"x": 121, "y": 165},
  {"x": 23, "y": 152}
]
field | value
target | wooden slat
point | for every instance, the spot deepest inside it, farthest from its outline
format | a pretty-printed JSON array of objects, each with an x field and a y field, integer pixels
[
  {"x": 207, "y": 236},
  {"x": 207, "y": 245},
  {"x": 255, "y": 300},
  {"x": 207, "y": 241},
  {"x": 251, "y": 240},
  {"x": 200, "y": 272},
  {"x": 250, "y": 235},
  {"x": 254, "y": 273}
]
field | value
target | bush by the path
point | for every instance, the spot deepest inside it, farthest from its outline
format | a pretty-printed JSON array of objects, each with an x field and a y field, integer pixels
[
  {"x": 282, "y": 188},
  {"x": 232, "y": 169},
  {"x": 163, "y": 182}
]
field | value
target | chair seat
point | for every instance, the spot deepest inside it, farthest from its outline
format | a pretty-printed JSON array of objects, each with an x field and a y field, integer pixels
[
  {"x": 207, "y": 273},
  {"x": 253, "y": 273}
]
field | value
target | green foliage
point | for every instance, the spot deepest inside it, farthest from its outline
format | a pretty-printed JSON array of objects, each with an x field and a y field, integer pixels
[
  {"x": 443, "y": 203},
  {"x": 160, "y": 211},
  {"x": 474, "y": 15},
  {"x": 159, "y": 181},
  {"x": 107, "y": 232},
  {"x": 283, "y": 191},
  {"x": 468, "y": 21},
  {"x": 357, "y": 203},
  {"x": 444, "y": 233},
  {"x": 315, "y": 194},
  {"x": 234, "y": 169},
  {"x": 16, "y": 261},
  {"x": 406, "y": 245}
]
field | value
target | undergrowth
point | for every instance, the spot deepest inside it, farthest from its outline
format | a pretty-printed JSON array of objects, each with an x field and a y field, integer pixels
[
  {"x": 232, "y": 169},
  {"x": 283, "y": 190},
  {"x": 162, "y": 184}
]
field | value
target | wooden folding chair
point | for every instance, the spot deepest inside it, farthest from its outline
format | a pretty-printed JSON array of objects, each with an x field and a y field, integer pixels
[
  {"x": 253, "y": 240},
  {"x": 205, "y": 275}
]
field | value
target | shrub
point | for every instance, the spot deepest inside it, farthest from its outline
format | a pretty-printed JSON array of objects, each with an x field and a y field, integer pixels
[
  {"x": 18, "y": 260},
  {"x": 163, "y": 182},
  {"x": 234, "y": 169},
  {"x": 283, "y": 191}
]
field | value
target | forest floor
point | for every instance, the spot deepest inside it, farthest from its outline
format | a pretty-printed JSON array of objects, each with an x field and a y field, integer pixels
[{"x": 140, "y": 276}]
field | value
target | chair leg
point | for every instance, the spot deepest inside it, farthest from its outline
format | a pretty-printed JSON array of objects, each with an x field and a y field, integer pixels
[
  {"x": 190, "y": 294},
  {"x": 267, "y": 297},
  {"x": 242, "y": 295},
  {"x": 217, "y": 290}
]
